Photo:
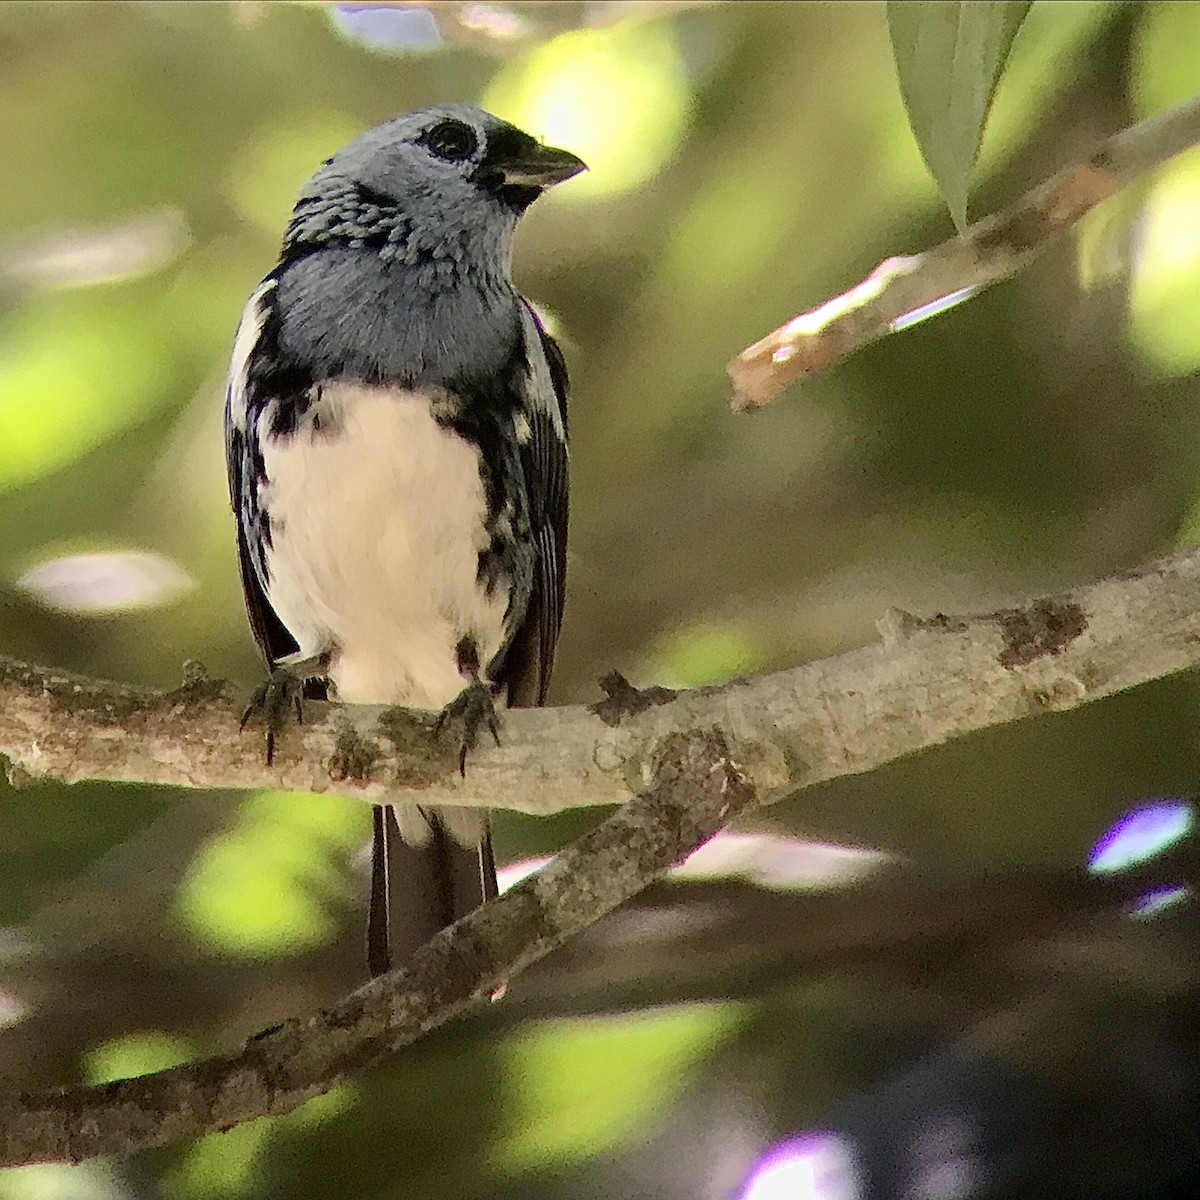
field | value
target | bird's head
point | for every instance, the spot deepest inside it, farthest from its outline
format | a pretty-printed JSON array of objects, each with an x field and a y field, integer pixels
[{"x": 439, "y": 174}]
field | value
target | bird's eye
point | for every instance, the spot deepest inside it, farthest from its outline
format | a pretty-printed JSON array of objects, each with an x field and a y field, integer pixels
[{"x": 451, "y": 140}]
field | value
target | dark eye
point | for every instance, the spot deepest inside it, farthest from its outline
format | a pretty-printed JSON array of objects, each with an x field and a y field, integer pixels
[{"x": 451, "y": 140}]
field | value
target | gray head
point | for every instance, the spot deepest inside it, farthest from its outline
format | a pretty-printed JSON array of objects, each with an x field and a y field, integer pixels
[
  {"x": 396, "y": 263},
  {"x": 443, "y": 182}
]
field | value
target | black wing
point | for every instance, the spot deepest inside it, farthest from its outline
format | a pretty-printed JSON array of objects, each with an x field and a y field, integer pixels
[
  {"x": 243, "y": 458},
  {"x": 530, "y": 659}
]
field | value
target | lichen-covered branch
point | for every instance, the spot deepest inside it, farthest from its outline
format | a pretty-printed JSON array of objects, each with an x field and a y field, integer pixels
[
  {"x": 901, "y": 289},
  {"x": 696, "y": 785},
  {"x": 929, "y": 680}
]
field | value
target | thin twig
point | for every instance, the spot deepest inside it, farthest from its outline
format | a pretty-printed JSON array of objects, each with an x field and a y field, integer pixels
[
  {"x": 901, "y": 290},
  {"x": 697, "y": 786}
]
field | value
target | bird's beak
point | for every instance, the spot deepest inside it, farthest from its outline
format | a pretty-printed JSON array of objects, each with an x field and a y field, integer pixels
[{"x": 540, "y": 167}]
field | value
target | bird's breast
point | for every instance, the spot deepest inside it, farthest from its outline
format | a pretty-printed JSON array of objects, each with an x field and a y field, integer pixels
[
  {"x": 378, "y": 517},
  {"x": 348, "y": 313}
]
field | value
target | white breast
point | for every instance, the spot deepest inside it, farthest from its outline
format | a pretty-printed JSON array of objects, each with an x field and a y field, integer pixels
[{"x": 377, "y": 520}]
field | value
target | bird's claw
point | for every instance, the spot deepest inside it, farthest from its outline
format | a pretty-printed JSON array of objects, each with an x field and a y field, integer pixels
[
  {"x": 272, "y": 704},
  {"x": 474, "y": 709}
]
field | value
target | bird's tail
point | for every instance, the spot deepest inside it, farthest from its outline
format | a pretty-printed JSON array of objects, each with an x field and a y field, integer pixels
[{"x": 423, "y": 879}]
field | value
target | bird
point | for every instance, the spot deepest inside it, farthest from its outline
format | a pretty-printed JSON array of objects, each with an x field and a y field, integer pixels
[{"x": 396, "y": 443}]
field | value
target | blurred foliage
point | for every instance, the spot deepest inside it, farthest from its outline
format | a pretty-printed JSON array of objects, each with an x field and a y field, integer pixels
[
  {"x": 573, "y": 1092},
  {"x": 230, "y": 1164},
  {"x": 134, "y": 1054},
  {"x": 746, "y": 162},
  {"x": 618, "y": 96},
  {"x": 258, "y": 888},
  {"x": 1165, "y": 300}
]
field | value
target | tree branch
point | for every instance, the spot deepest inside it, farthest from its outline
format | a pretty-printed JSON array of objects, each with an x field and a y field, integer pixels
[
  {"x": 928, "y": 681},
  {"x": 901, "y": 290},
  {"x": 695, "y": 759},
  {"x": 697, "y": 786}
]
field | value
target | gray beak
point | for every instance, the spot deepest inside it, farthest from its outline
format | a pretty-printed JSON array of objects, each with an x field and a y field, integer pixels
[{"x": 540, "y": 167}]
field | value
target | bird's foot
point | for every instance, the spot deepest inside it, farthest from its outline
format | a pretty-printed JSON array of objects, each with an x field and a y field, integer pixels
[
  {"x": 471, "y": 711},
  {"x": 273, "y": 704}
]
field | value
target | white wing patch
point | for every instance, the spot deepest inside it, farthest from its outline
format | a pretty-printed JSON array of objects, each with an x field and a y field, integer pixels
[{"x": 249, "y": 331}]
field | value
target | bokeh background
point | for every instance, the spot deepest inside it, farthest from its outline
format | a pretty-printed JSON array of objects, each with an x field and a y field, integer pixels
[{"x": 747, "y": 161}]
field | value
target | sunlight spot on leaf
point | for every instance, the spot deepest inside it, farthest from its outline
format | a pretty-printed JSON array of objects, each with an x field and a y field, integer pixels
[
  {"x": 581, "y": 1087},
  {"x": 72, "y": 374},
  {"x": 220, "y": 1166},
  {"x": 324, "y": 1108},
  {"x": 1164, "y": 309},
  {"x": 703, "y": 655},
  {"x": 97, "y": 1180},
  {"x": 263, "y": 887},
  {"x": 1165, "y": 299},
  {"x": 618, "y": 97},
  {"x": 134, "y": 1054}
]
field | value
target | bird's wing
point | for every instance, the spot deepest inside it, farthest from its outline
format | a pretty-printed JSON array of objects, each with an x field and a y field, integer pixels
[
  {"x": 244, "y": 461},
  {"x": 544, "y": 464}
]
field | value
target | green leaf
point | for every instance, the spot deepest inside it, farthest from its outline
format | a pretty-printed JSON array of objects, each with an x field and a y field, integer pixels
[{"x": 949, "y": 59}]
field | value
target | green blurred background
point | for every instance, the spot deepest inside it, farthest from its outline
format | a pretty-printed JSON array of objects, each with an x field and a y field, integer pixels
[{"x": 747, "y": 161}]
